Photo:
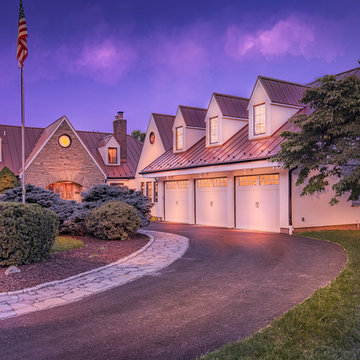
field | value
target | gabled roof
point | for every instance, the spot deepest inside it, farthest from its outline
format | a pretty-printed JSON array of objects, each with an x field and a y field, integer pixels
[
  {"x": 193, "y": 116},
  {"x": 342, "y": 75},
  {"x": 36, "y": 138},
  {"x": 164, "y": 124},
  {"x": 237, "y": 149},
  {"x": 104, "y": 141},
  {"x": 283, "y": 92},
  {"x": 233, "y": 106}
]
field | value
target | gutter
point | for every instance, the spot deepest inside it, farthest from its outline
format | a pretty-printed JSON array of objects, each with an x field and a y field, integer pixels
[{"x": 205, "y": 165}]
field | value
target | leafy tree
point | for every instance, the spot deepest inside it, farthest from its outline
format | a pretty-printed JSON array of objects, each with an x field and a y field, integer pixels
[
  {"x": 138, "y": 135},
  {"x": 326, "y": 144},
  {"x": 8, "y": 180}
]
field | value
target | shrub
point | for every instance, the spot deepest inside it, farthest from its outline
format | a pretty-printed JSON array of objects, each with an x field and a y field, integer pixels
[
  {"x": 27, "y": 233},
  {"x": 101, "y": 194},
  {"x": 70, "y": 213},
  {"x": 113, "y": 221},
  {"x": 8, "y": 180}
]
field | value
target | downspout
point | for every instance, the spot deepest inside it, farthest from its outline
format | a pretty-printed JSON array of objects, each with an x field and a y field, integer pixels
[{"x": 291, "y": 229}]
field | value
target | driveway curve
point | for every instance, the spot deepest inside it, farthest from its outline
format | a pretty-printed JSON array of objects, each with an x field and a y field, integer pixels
[{"x": 229, "y": 284}]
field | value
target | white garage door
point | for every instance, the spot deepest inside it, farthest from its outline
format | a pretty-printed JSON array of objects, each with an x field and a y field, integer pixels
[
  {"x": 177, "y": 201},
  {"x": 257, "y": 202},
  {"x": 211, "y": 202}
]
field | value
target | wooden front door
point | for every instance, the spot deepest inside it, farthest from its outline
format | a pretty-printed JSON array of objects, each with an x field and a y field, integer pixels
[{"x": 66, "y": 190}]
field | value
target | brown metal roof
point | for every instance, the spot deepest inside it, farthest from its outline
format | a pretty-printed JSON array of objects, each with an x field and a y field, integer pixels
[
  {"x": 355, "y": 72},
  {"x": 283, "y": 92},
  {"x": 237, "y": 149},
  {"x": 164, "y": 124},
  {"x": 193, "y": 116},
  {"x": 233, "y": 106},
  {"x": 35, "y": 138}
]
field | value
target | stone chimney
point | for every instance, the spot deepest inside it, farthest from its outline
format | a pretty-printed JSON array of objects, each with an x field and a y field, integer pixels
[{"x": 120, "y": 128}]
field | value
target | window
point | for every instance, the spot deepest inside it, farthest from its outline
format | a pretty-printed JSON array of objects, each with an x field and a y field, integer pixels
[
  {"x": 179, "y": 138},
  {"x": 156, "y": 187},
  {"x": 259, "y": 119},
  {"x": 269, "y": 179},
  {"x": 143, "y": 188},
  {"x": 220, "y": 182},
  {"x": 214, "y": 130},
  {"x": 65, "y": 141},
  {"x": 152, "y": 137},
  {"x": 112, "y": 152},
  {"x": 149, "y": 190},
  {"x": 117, "y": 184},
  {"x": 247, "y": 180},
  {"x": 171, "y": 184}
]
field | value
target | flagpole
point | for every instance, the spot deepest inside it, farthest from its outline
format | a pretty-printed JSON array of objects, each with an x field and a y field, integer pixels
[{"x": 22, "y": 136}]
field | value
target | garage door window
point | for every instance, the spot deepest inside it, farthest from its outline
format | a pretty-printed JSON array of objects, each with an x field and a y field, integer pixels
[
  {"x": 183, "y": 184},
  {"x": 269, "y": 179},
  {"x": 247, "y": 180},
  {"x": 204, "y": 183},
  {"x": 171, "y": 185},
  {"x": 221, "y": 182}
]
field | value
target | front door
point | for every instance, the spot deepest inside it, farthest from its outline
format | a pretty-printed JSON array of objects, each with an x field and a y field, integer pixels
[{"x": 66, "y": 190}]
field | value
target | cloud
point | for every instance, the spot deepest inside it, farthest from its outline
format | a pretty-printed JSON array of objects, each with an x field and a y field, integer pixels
[{"x": 294, "y": 35}]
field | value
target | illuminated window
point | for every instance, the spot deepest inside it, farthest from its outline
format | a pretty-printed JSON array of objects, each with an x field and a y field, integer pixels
[
  {"x": 201, "y": 183},
  {"x": 149, "y": 190},
  {"x": 272, "y": 179},
  {"x": 183, "y": 184},
  {"x": 65, "y": 141},
  {"x": 179, "y": 138},
  {"x": 214, "y": 130},
  {"x": 259, "y": 119},
  {"x": 117, "y": 184},
  {"x": 143, "y": 188},
  {"x": 171, "y": 184},
  {"x": 247, "y": 180},
  {"x": 220, "y": 182},
  {"x": 156, "y": 189},
  {"x": 112, "y": 152}
]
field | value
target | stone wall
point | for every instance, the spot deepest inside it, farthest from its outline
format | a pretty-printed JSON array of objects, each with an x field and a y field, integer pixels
[{"x": 55, "y": 163}]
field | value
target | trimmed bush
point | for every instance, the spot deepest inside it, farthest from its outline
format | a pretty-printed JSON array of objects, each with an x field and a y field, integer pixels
[
  {"x": 27, "y": 233},
  {"x": 113, "y": 221},
  {"x": 8, "y": 180},
  {"x": 101, "y": 194},
  {"x": 71, "y": 214}
]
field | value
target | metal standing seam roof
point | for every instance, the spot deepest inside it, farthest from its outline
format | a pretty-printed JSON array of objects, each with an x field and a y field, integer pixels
[
  {"x": 36, "y": 137},
  {"x": 193, "y": 116},
  {"x": 164, "y": 124},
  {"x": 355, "y": 72},
  {"x": 233, "y": 106},
  {"x": 237, "y": 149},
  {"x": 283, "y": 92}
]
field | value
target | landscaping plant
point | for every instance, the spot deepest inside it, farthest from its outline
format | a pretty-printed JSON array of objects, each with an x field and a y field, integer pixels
[
  {"x": 101, "y": 194},
  {"x": 8, "y": 180},
  {"x": 27, "y": 233},
  {"x": 113, "y": 221}
]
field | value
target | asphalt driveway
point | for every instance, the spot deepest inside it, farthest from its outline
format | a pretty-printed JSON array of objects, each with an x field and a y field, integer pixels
[{"x": 229, "y": 284}]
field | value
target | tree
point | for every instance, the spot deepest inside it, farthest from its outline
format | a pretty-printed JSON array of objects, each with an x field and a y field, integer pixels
[
  {"x": 326, "y": 144},
  {"x": 138, "y": 135},
  {"x": 8, "y": 180}
]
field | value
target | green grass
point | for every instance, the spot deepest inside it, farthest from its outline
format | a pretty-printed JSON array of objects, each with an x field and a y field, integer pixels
[
  {"x": 63, "y": 243},
  {"x": 325, "y": 326}
]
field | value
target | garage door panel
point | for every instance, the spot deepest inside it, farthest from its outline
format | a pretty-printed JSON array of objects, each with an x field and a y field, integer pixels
[
  {"x": 257, "y": 202},
  {"x": 177, "y": 201},
  {"x": 211, "y": 202}
]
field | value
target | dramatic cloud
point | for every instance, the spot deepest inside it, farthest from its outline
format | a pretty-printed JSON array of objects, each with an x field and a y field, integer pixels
[{"x": 295, "y": 36}]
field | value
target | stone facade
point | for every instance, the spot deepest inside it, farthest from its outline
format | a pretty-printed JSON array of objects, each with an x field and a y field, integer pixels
[{"x": 56, "y": 164}]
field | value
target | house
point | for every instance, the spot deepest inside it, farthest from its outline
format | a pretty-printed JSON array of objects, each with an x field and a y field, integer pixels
[
  {"x": 217, "y": 171},
  {"x": 69, "y": 161}
]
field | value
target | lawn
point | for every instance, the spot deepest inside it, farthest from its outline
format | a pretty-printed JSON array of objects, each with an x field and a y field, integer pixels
[
  {"x": 63, "y": 243},
  {"x": 325, "y": 326}
]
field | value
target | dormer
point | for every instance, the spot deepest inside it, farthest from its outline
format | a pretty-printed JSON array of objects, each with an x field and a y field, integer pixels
[
  {"x": 226, "y": 115},
  {"x": 188, "y": 128},
  {"x": 109, "y": 150},
  {"x": 272, "y": 103}
]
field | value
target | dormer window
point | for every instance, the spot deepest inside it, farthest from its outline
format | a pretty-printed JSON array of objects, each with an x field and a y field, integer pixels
[
  {"x": 179, "y": 138},
  {"x": 214, "y": 130},
  {"x": 259, "y": 119},
  {"x": 112, "y": 155}
]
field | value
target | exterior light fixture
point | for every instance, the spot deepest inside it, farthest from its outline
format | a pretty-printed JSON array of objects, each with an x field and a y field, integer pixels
[{"x": 152, "y": 138}]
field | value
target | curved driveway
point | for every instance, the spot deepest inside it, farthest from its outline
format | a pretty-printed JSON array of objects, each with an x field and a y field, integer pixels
[{"x": 229, "y": 284}]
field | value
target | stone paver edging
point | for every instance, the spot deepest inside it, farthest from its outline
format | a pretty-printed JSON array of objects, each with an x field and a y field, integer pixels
[{"x": 162, "y": 250}]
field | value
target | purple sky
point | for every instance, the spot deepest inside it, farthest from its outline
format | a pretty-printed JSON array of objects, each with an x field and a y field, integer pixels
[{"x": 89, "y": 59}]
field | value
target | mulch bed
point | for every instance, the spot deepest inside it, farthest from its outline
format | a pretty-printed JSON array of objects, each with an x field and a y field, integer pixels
[{"x": 60, "y": 265}]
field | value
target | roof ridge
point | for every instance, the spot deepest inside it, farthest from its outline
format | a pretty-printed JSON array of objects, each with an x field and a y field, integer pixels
[
  {"x": 235, "y": 96},
  {"x": 355, "y": 68},
  {"x": 192, "y": 107},
  {"x": 154, "y": 113},
  {"x": 26, "y": 127},
  {"x": 284, "y": 81}
]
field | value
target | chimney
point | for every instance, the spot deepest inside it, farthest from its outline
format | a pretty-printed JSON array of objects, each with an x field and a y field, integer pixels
[{"x": 119, "y": 126}]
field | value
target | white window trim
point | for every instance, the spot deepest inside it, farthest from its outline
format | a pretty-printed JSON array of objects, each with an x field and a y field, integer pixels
[
  {"x": 177, "y": 138},
  {"x": 211, "y": 128},
  {"x": 254, "y": 119}
]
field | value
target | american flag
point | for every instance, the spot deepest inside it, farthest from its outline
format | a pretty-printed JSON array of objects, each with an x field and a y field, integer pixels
[{"x": 21, "y": 51}]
